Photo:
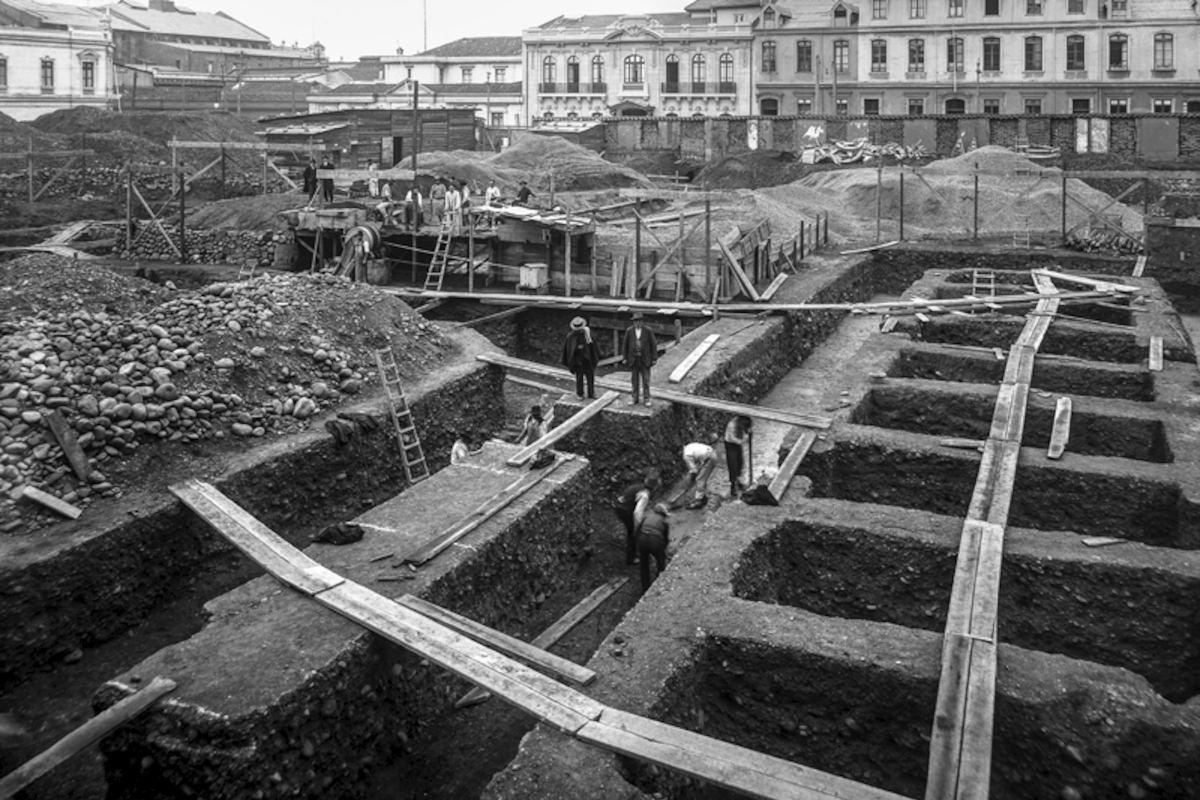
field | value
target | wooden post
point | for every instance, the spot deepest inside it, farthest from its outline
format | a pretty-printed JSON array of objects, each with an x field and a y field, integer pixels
[
  {"x": 801, "y": 240},
  {"x": 826, "y": 239},
  {"x": 29, "y": 162},
  {"x": 129, "y": 208},
  {"x": 568, "y": 253},
  {"x": 1146, "y": 215},
  {"x": 678, "y": 330},
  {"x": 416, "y": 148},
  {"x": 183, "y": 253},
  {"x": 879, "y": 202},
  {"x": 637, "y": 245},
  {"x": 650, "y": 282},
  {"x": 265, "y": 159},
  {"x": 976, "y": 209},
  {"x": 593, "y": 235},
  {"x": 708, "y": 276},
  {"x": 470, "y": 251},
  {"x": 551, "y": 188},
  {"x": 1064, "y": 209},
  {"x": 222, "y": 173},
  {"x": 902, "y": 204}
]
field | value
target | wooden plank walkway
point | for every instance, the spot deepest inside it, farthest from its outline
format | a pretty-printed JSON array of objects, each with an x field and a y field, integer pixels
[
  {"x": 960, "y": 749},
  {"x": 682, "y": 398},
  {"x": 735, "y": 768},
  {"x": 564, "y": 430}
]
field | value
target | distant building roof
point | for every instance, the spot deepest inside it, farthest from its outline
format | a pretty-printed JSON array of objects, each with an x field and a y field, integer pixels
[
  {"x": 479, "y": 46},
  {"x": 509, "y": 87},
  {"x": 708, "y": 5},
  {"x": 256, "y": 52},
  {"x": 368, "y": 68},
  {"x": 602, "y": 21},
  {"x": 363, "y": 88},
  {"x": 49, "y": 15},
  {"x": 182, "y": 22}
]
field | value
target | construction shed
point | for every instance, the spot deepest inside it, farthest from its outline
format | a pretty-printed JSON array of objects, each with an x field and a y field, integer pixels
[{"x": 386, "y": 136}]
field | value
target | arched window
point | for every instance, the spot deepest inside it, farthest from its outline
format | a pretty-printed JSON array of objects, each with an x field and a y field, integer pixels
[
  {"x": 699, "y": 73},
  {"x": 1076, "y": 59},
  {"x": 769, "y": 107},
  {"x": 635, "y": 69},
  {"x": 768, "y": 57},
  {"x": 549, "y": 115},
  {"x": 597, "y": 73},
  {"x": 956, "y": 105},
  {"x": 549, "y": 71},
  {"x": 725, "y": 70},
  {"x": 572, "y": 74},
  {"x": 672, "y": 86},
  {"x": 1164, "y": 51}
]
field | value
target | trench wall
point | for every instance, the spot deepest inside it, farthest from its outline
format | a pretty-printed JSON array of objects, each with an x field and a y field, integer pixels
[{"x": 85, "y": 583}]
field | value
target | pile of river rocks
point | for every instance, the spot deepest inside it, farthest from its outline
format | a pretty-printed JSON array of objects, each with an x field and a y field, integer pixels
[
  {"x": 215, "y": 246},
  {"x": 230, "y": 360}
]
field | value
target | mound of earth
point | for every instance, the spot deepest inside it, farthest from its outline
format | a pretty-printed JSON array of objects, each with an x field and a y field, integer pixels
[
  {"x": 156, "y": 126},
  {"x": 15, "y": 136},
  {"x": 753, "y": 170},
  {"x": 256, "y": 213},
  {"x": 232, "y": 360},
  {"x": 44, "y": 284}
]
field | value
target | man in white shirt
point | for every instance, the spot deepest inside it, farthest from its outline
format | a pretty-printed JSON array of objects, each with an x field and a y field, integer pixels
[
  {"x": 492, "y": 196},
  {"x": 700, "y": 459}
]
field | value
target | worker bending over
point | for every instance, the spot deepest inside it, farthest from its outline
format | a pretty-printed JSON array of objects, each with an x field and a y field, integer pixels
[
  {"x": 654, "y": 530},
  {"x": 700, "y": 459},
  {"x": 635, "y": 495}
]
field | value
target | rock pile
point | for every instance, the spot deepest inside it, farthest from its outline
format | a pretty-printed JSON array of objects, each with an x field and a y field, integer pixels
[
  {"x": 203, "y": 247},
  {"x": 233, "y": 360}
]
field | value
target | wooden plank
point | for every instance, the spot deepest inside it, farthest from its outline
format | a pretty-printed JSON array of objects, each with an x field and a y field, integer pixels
[
  {"x": 945, "y": 743},
  {"x": 1061, "y": 431},
  {"x": 352, "y": 175},
  {"x": 508, "y": 312},
  {"x": 962, "y": 590},
  {"x": 549, "y": 701},
  {"x": 682, "y": 398},
  {"x": 1103, "y": 541},
  {"x": 975, "y": 764},
  {"x": 872, "y": 248},
  {"x": 45, "y": 154},
  {"x": 264, "y": 146},
  {"x": 1139, "y": 269},
  {"x": 502, "y": 642},
  {"x": 787, "y": 471},
  {"x": 493, "y": 506},
  {"x": 51, "y": 502},
  {"x": 84, "y": 736},
  {"x": 962, "y": 444},
  {"x": 985, "y": 600},
  {"x": 774, "y": 287},
  {"x": 564, "y": 430},
  {"x": 693, "y": 358},
  {"x": 1006, "y": 469},
  {"x": 260, "y": 543},
  {"x": 727, "y": 765},
  {"x": 1083, "y": 281},
  {"x": 552, "y": 635},
  {"x": 981, "y": 497},
  {"x": 736, "y": 267},
  {"x": 69, "y": 444},
  {"x": 1156, "y": 353},
  {"x": 668, "y": 194}
]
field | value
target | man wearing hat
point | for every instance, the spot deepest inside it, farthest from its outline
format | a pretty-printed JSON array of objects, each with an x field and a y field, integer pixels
[
  {"x": 640, "y": 352},
  {"x": 581, "y": 355}
]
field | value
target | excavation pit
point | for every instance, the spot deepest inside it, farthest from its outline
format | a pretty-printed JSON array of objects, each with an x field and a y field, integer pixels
[
  {"x": 1097, "y": 428},
  {"x": 1105, "y": 312},
  {"x": 1064, "y": 338}
]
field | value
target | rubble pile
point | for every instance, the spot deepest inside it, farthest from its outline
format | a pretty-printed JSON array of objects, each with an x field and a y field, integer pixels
[
  {"x": 230, "y": 361},
  {"x": 203, "y": 246}
]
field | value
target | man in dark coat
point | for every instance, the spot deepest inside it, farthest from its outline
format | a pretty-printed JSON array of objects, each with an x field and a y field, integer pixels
[
  {"x": 654, "y": 530},
  {"x": 640, "y": 351},
  {"x": 310, "y": 179},
  {"x": 327, "y": 183},
  {"x": 581, "y": 355},
  {"x": 636, "y": 496}
]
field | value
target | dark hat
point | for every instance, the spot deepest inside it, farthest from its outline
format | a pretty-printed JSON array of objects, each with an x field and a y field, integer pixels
[
  {"x": 637, "y": 315},
  {"x": 578, "y": 323}
]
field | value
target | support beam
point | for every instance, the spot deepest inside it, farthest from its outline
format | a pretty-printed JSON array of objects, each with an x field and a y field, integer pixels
[
  {"x": 565, "y": 429},
  {"x": 787, "y": 470},
  {"x": 693, "y": 358}
]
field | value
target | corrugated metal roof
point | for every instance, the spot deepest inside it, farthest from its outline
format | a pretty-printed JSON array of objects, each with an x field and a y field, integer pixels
[
  {"x": 479, "y": 46},
  {"x": 305, "y": 129},
  {"x": 55, "y": 14},
  {"x": 197, "y": 24}
]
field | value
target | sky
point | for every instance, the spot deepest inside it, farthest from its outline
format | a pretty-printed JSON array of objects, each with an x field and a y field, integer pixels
[{"x": 353, "y": 28}]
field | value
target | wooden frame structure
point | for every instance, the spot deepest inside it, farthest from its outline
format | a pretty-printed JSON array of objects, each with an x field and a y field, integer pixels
[
  {"x": 30, "y": 156},
  {"x": 225, "y": 148},
  {"x": 132, "y": 191}
]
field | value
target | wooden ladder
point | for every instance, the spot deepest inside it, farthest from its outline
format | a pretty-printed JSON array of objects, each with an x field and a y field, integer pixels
[
  {"x": 982, "y": 279},
  {"x": 415, "y": 467},
  {"x": 1021, "y": 235},
  {"x": 437, "y": 265},
  {"x": 247, "y": 270}
]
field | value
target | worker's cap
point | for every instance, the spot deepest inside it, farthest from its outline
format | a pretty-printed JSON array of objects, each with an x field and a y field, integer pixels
[
  {"x": 524, "y": 183},
  {"x": 578, "y": 323},
  {"x": 637, "y": 315}
]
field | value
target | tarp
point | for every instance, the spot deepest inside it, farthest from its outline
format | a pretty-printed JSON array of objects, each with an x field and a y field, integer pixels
[
  {"x": 921, "y": 132},
  {"x": 1158, "y": 137}
]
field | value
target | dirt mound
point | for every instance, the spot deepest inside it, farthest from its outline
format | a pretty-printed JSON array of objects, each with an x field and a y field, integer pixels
[
  {"x": 233, "y": 360},
  {"x": 49, "y": 284},
  {"x": 157, "y": 127},
  {"x": 992, "y": 158},
  {"x": 533, "y": 158},
  {"x": 15, "y": 136},
  {"x": 753, "y": 170},
  {"x": 256, "y": 213}
]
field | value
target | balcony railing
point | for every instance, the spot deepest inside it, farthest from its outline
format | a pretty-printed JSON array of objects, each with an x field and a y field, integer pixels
[
  {"x": 572, "y": 87},
  {"x": 696, "y": 88}
]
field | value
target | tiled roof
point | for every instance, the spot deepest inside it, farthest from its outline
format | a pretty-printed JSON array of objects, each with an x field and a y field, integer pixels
[
  {"x": 602, "y": 21},
  {"x": 510, "y": 87},
  {"x": 705, "y": 5},
  {"x": 368, "y": 69},
  {"x": 56, "y": 14},
  {"x": 197, "y": 24},
  {"x": 479, "y": 46},
  {"x": 364, "y": 88}
]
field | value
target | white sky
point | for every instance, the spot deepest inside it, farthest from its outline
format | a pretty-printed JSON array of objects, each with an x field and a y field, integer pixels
[{"x": 353, "y": 28}]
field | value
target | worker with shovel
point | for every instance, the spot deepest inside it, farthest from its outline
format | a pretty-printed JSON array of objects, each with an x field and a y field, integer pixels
[{"x": 700, "y": 459}]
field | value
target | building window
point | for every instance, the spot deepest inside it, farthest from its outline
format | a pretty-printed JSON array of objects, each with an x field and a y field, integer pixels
[
  {"x": 804, "y": 106},
  {"x": 1081, "y": 105},
  {"x": 635, "y": 69},
  {"x": 769, "y": 18},
  {"x": 916, "y": 55},
  {"x": 1118, "y": 106},
  {"x": 497, "y": 119},
  {"x": 804, "y": 56},
  {"x": 468, "y": 73},
  {"x": 1075, "y": 53},
  {"x": 954, "y": 54},
  {"x": 879, "y": 9},
  {"x": 991, "y": 54},
  {"x": 1164, "y": 106},
  {"x": 991, "y": 106},
  {"x": 841, "y": 56},
  {"x": 871, "y": 106},
  {"x": 1164, "y": 51},
  {"x": 408, "y": 73},
  {"x": 842, "y": 106},
  {"x": 738, "y": 19},
  {"x": 47, "y": 75},
  {"x": 956, "y": 8},
  {"x": 839, "y": 16},
  {"x": 725, "y": 71},
  {"x": 1118, "y": 51},
  {"x": 916, "y": 9},
  {"x": 1033, "y": 8},
  {"x": 878, "y": 55},
  {"x": 1074, "y": 6},
  {"x": 597, "y": 70},
  {"x": 1033, "y": 54},
  {"x": 769, "y": 107},
  {"x": 501, "y": 72},
  {"x": 1192, "y": 107},
  {"x": 3, "y": 73},
  {"x": 1120, "y": 9},
  {"x": 699, "y": 73},
  {"x": 991, "y": 8},
  {"x": 916, "y": 106},
  {"x": 768, "y": 56},
  {"x": 572, "y": 74},
  {"x": 1033, "y": 106},
  {"x": 956, "y": 105},
  {"x": 89, "y": 77},
  {"x": 549, "y": 70}
]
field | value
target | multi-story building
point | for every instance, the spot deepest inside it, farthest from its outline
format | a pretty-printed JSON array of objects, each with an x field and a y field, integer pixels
[
  {"x": 484, "y": 73},
  {"x": 52, "y": 57},
  {"x": 978, "y": 57},
  {"x": 697, "y": 62}
]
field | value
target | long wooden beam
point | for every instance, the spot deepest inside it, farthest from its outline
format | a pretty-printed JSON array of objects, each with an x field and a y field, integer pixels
[
  {"x": 45, "y": 154},
  {"x": 564, "y": 430},
  {"x": 682, "y": 398},
  {"x": 693, "y": 358},
  {"x": 735, "y": 768},
  {"x": 392, "y": 174},
  {"x": 787, "y": 470},
  {"x": 672, "y": 194}
]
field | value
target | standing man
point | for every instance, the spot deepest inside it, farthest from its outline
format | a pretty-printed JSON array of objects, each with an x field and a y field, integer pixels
[
  {"x": 454, "y": 208},
  {"x": 413, "y": 210},
  {"x": 327, "y": 183},
  {"x": 640, "y": 351},
  {"x": 737, "y": 438},
  {"x": 524, "y": 194},
  {"x": 310, "y": 179},
  {"x": 700, "y": 459},
  {"x": 581, "y": 355},
  {"x": 437, "y": 202},
  {"x": 626, "y": 505},
  {"x": 372, "y": 179},
  {"x": 492, "y": 196},
  {"x": 654, "y": 531}
]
